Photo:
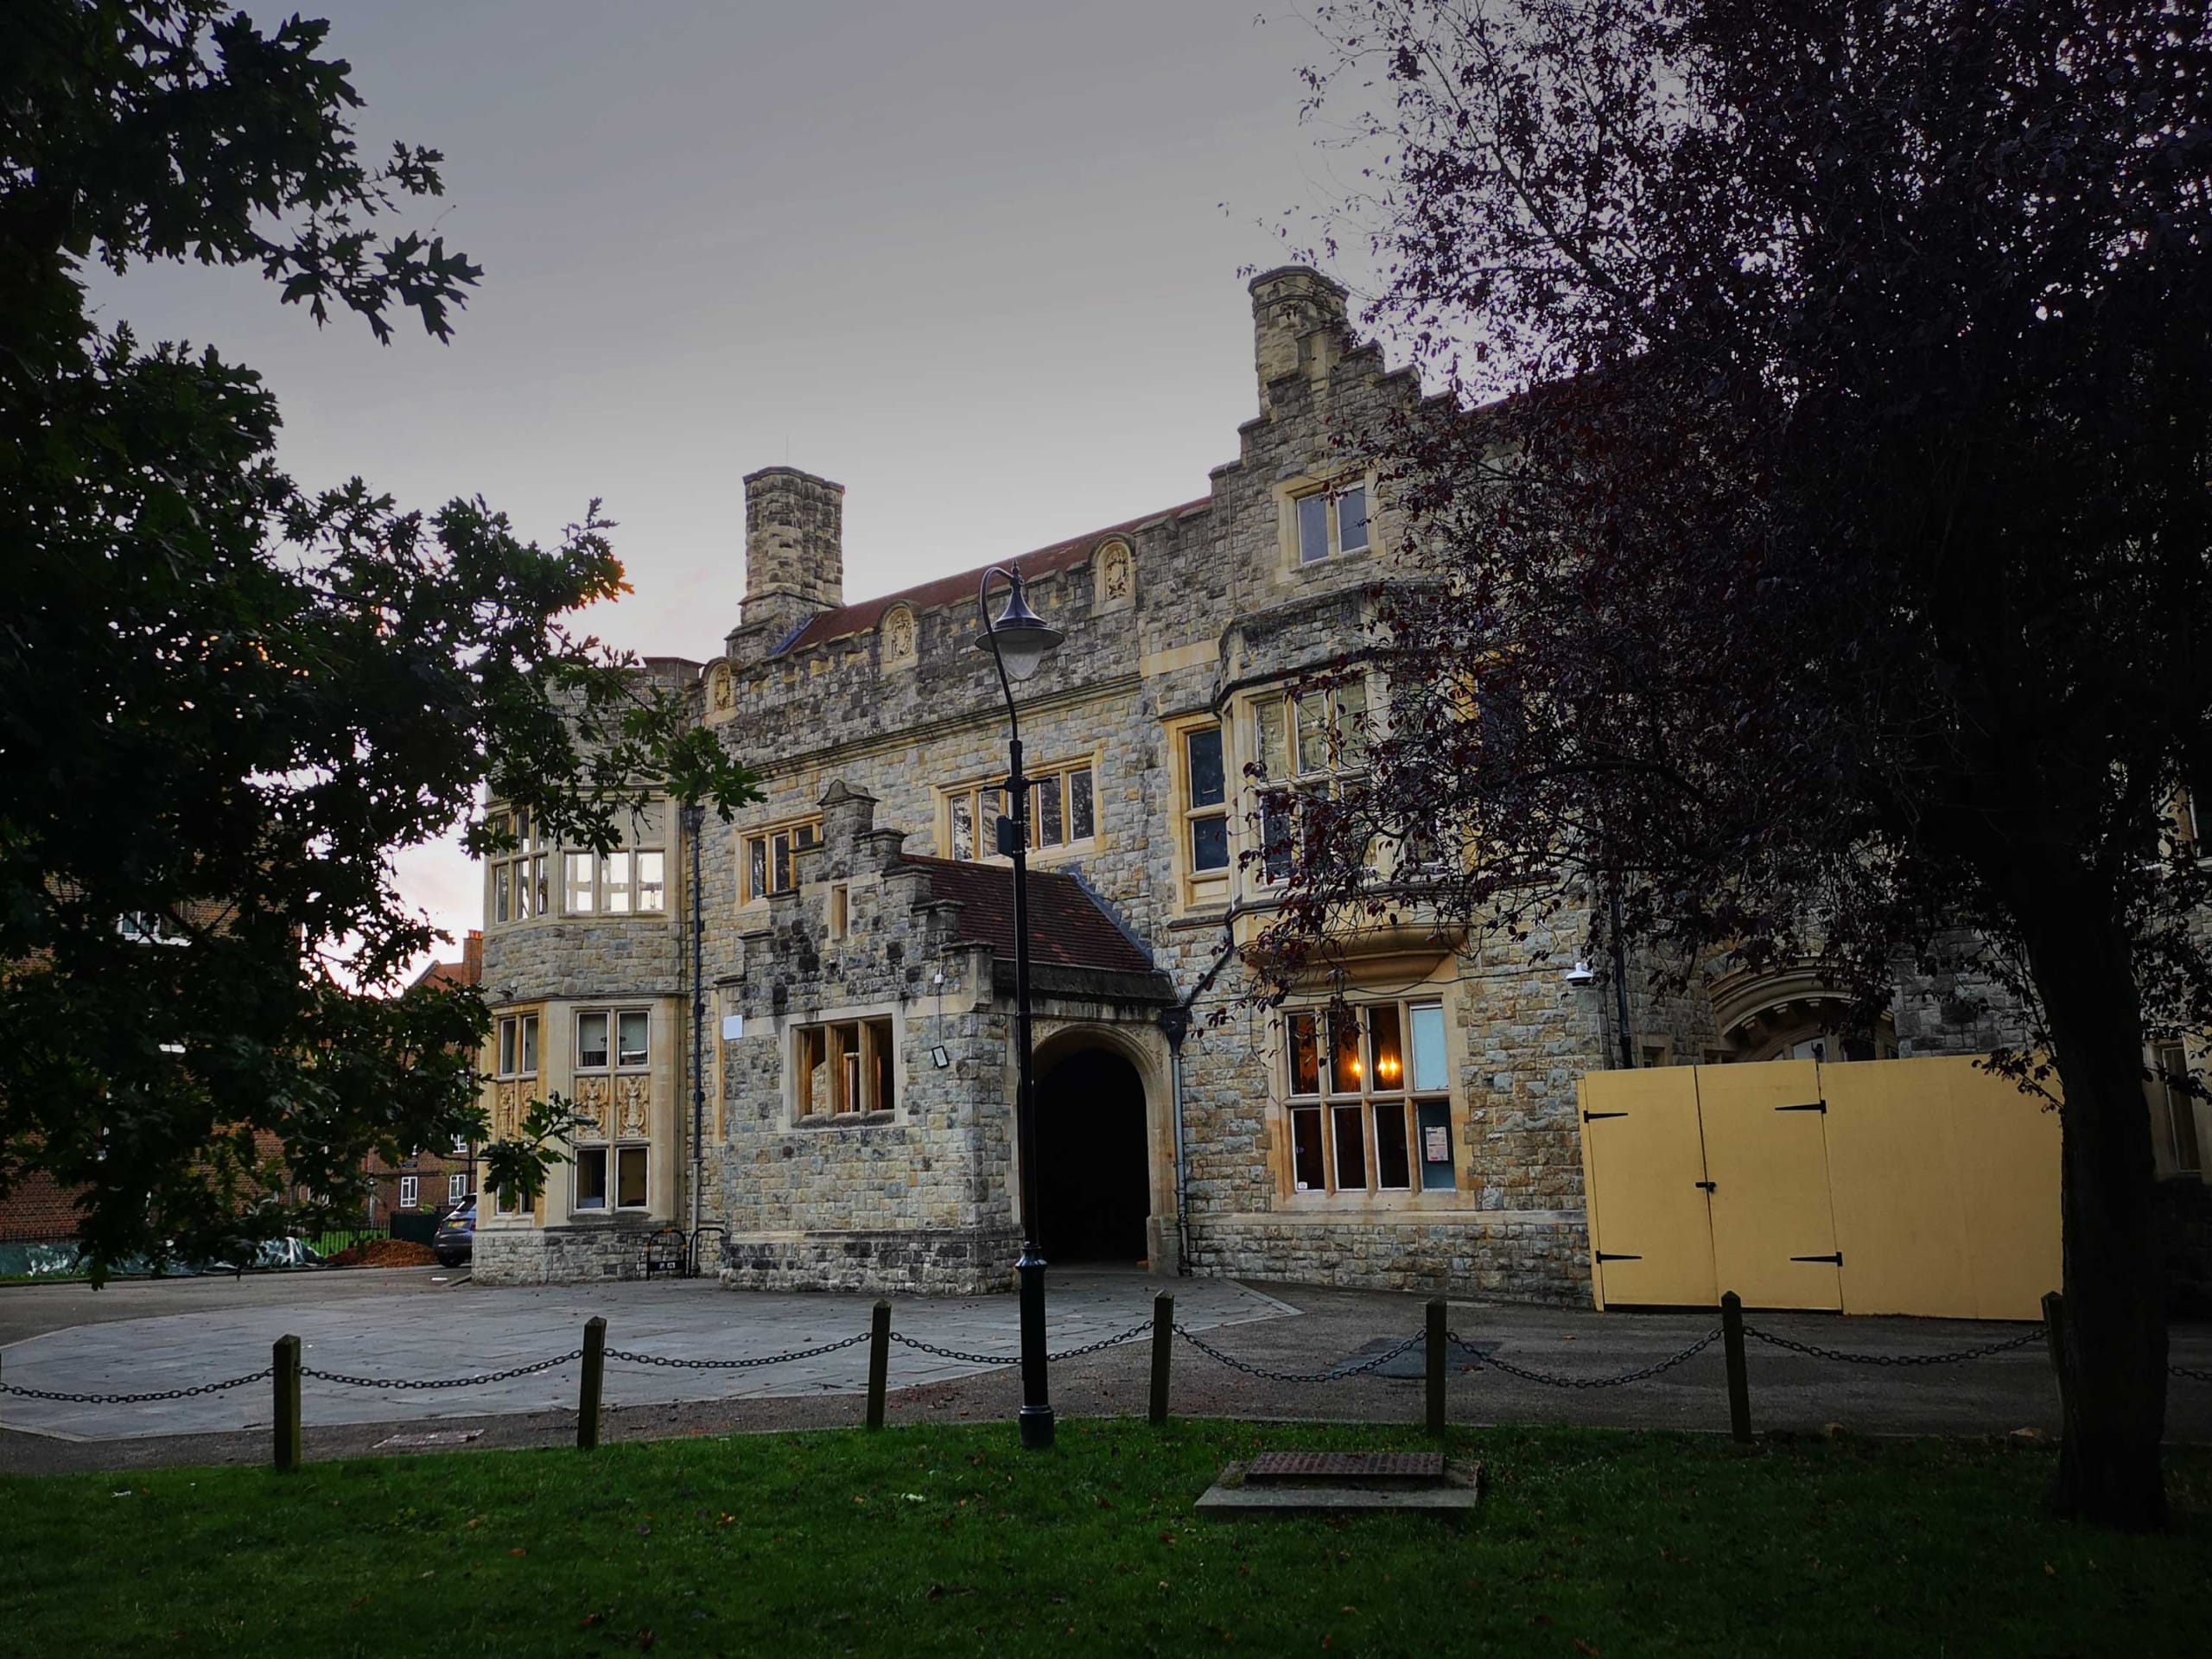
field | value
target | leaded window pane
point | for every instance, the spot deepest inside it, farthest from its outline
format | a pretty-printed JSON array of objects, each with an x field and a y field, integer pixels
[
  {"x": 964, "y": 826},
  {"x": 1351, "y": 520},
  {"x": 1352, "y": 725},
  {"x": 630, "y": 1037},
  {"x": 591, "y": 1041},
  {"x": 1275, "y": 753},
  {"x": 1384, "y": 1045},
  {"x": 1345, "y": 1067},
  {"x": 1051, "y": 825},
  {"x": 652, "y": 888},
  {"x": 1312, "y": 528},
  {"x": 1081, "y": 813},
  {"x": 1392, "y": 1156},
  {"x": 1210, "y": 843},
  {"x": 1351, "y": 1147},
  {"x": 501, "y": 910},
  {"x": 580, "y": 893},
  {"x": 1305, "y": 1065},
  {"x": 1312, "y": 732},
  {"x": 1207, "y": 785}
]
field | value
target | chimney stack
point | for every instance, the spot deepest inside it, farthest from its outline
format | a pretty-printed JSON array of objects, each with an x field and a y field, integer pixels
[{"x": 1298, "y": 328}]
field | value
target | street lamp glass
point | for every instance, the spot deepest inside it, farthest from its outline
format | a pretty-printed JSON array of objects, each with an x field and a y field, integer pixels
[{"x": 1021, "y": 636}]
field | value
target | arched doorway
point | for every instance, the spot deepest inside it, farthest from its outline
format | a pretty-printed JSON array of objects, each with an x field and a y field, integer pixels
[{"x": 1094, "y": 1183}]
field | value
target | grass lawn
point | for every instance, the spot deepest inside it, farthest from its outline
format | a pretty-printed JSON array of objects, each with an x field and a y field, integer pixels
[{"x": 932, "y": 1540}]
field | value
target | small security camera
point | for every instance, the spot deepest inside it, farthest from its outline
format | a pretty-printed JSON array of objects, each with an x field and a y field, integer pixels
[{"x": 1580, "y": 973}]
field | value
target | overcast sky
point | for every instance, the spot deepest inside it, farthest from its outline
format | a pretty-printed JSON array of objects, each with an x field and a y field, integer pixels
[{"x": 978, "y": 260}]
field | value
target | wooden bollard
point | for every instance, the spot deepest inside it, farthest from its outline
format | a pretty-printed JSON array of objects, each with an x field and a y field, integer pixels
[
  {"x": 589, "y": 1389},
  {"x": 1163, "y": 1352},
  {"x": 1440, "y": 1338},
  {"x": 284, "y": 1375},
  {"x": 879, "y": 1362},
  {"x": 1739, "y": 1379}
]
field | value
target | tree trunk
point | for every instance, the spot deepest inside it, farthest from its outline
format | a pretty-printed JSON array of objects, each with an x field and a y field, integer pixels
[{"x": 2113, "y": 1386}]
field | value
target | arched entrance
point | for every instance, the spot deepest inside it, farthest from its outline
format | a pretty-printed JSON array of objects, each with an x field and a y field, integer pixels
[{"x": 1094, "y": 1183}]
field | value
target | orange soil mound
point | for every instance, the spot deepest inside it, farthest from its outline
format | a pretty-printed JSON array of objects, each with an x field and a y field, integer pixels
[{"x": 385, "y": 1253}]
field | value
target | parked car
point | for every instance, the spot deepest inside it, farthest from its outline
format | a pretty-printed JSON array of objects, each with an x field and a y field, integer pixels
[{"x": 456, "y": 1241}]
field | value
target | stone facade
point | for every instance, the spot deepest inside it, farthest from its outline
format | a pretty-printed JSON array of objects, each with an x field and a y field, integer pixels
[{"x": 856, "y": 1063}]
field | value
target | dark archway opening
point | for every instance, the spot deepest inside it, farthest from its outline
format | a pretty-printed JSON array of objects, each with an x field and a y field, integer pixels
[{"x": 1094, "y": 1186}]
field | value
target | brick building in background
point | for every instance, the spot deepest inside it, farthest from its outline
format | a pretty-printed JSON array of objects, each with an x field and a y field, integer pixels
[{"x": 434, "y": 1180}]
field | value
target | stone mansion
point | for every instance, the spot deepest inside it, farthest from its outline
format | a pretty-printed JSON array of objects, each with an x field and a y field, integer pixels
[{"x": 849, "y": 1119}]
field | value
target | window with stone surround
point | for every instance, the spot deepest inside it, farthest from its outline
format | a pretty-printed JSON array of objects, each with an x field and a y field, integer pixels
[
  {"x": 1329, "y": 520},
  {"x": 629, "y": 881},
  {"x": 1369, "y": 1099},
  {"x": 518, "y": 875},
  {"x": 630, "y": 1029},
  {"x": 1310, "y": 743},
  {"x": 769, "y": 862},
  {"x": 843, "y": 1066},
  {"x": 628, "y": 1167},
  {"x": 519, "y": 1045},
  {"x": 2169, "y": 1061},
  {"x": 1205, "y": 801},
  {"x": 1064, "y": 812}
]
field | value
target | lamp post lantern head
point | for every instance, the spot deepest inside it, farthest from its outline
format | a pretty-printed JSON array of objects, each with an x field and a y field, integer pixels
[{"x": 1019, "y": 637}]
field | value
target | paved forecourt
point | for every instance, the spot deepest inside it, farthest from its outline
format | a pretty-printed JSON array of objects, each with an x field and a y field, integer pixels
[{"x": 465, "y": 1331}]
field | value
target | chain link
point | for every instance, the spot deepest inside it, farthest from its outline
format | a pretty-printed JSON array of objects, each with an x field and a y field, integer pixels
[
  {"x": 1815, "y": 1351},
  {"x": 2190, "y": 1372},
  {"x": 1100, "y": 1346},
  {"x": 441, "y": 1381},
  {"x": 1336, "y": 1374},
  {"x": 668, "y": 1364},
  {"x": 260, "y": 1376},
  {"x": 1550, "y": 1380}
]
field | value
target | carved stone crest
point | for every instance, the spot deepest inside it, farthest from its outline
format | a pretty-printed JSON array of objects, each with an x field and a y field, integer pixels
[
  {"x": 633, "y": 1094},
  {"x": 1116, "y": 575},
  {"x": 900, "y": 646},
  {"x": 591, "y": 1103}
]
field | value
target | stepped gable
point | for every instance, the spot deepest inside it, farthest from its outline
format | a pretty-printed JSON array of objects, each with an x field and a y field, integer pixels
[
  {"x": 1067, "y": 929},
  {"x": 1070, "y": 555}
]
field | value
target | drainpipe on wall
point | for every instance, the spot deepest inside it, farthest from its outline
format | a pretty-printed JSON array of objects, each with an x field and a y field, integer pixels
[{"x": 695, "y": 818}]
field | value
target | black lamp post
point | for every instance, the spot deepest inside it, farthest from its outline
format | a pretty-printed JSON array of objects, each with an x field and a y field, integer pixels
[{"x": 1017, "y": 641}]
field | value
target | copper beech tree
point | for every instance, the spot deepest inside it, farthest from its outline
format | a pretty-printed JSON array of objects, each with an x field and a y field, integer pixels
[
  {"x": 1810, "y": 551},
  {"x": 225, "y": 703}
]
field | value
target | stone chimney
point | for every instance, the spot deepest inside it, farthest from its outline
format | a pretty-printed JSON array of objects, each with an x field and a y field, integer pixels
[
  {"x": 472, "y": 957},
  {"x": 1298, "y": 328},
  {"x": 794, "y": 551}
]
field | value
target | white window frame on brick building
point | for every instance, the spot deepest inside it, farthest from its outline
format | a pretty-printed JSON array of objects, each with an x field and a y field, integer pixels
[
  {"x": 1367, "y": 1100},
  {"x": 1064, "y": 812},
  {"x": 768, "y": 857},
  {"x": 844, "y": 1068},
  {"x": 456, "y": 1187},
  {"x": 410, "y": 1192}
]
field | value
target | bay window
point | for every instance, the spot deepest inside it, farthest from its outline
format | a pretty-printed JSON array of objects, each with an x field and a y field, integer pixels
[
  {"x": 1369, "y": 1099},
  {"x": 1312, "y": 744}
]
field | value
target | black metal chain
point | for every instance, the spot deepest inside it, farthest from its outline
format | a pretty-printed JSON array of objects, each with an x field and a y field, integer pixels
[
  {"x": 1100, "y": 1346},
  {"x": 260, "y": 1376},
  {"x": 756, "y": 1360},
  {"x": 1818, "y": 1352},
  {"x": 1336, "y": 1374},
  {"x": 1550, "y": 1380},
  {"x": 2190, "y": 1372},
  {"x": 440, "y": 1381}
]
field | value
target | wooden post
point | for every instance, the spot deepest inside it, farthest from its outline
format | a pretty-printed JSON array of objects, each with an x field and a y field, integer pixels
[
  {"x": 1163, "y": 1352},
  {"x": 2054, "y": 1334},
  {"x": 1740, "y": 1380},
  {"x": 587, "y": 1391},
  {"x": 879, "y": 1363},
  {"x": 284, "y": 1372},
  {"x": 1438, "y": 1339}
]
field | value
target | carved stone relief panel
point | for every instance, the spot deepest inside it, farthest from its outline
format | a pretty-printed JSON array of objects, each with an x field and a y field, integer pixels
[
  {"x": 901, "y": 639},
  {"x": 1114, "y": 574}
]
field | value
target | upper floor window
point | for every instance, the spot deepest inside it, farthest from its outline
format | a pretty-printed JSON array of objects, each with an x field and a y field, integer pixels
[
  {"x": 1063, "y": 810},
  {"x": 1312, "y": 744},
  {"x": 629, "y": 881},
  {"x": 1370, "y": 1099},
  {"x": 148, "y": 927},
  {"x": 1331, "y": 521},
  {"x": 630, "y": 1030},
  {"x": 770, "y": 864},
  {"x": 519, "y": 1045},
  {"x": 518, "y": 889},
  {"x": 1205, "y": 800}
]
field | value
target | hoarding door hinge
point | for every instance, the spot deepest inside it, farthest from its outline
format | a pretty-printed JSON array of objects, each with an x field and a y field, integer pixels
[
  {"x": 1705, "y": 1186},
  {"x": 1819, "y": 1106},
  {"x": 1835, "y": 1256},
  {"x": 1615, "y": 1255},
  {"x": 1592, "y": 1117}
]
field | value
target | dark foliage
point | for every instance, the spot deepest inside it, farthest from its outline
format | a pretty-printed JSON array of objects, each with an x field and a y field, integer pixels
[
  {"x": 225, "y": 703},
  {"x": 1814, "y": 553}
]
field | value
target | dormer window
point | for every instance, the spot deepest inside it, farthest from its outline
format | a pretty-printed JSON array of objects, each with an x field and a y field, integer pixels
[{"x": 1331, "y": 521}]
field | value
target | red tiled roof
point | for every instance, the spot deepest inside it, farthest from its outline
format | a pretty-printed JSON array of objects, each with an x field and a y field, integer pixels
[
  {"x": 1067, "y": 927},
  {"x": 860, "y": 617}
]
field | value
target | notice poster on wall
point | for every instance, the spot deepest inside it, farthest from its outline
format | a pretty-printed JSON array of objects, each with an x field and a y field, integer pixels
[{"x": 1436, "y": 1145}]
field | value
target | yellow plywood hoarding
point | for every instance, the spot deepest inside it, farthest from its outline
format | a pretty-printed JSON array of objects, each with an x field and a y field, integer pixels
[
  {"x": 1650, "y": 1236},
  {"x": 1924, "y": 1187}
]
